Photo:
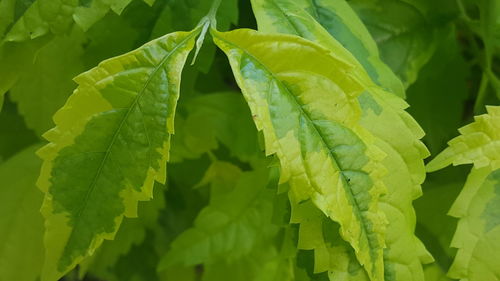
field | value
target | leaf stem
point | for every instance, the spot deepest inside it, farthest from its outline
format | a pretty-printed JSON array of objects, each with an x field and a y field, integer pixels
[
  {"x": 213, "y": 12},
  {"x": 481, "y": 93}
]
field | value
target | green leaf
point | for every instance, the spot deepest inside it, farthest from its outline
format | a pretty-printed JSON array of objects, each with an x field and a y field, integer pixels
[
  {"x": 230, "y": 227},
  {"x": 339, "y": 20},
  {"x": 14, "y": 59},
  {"x": 478, "y": 230},
  {"x": 265, "y": 264},
  {"x": 21, "y": 225},
  {"x": 331, "y": 252},
  {"x": 7, "y": 9},
  {"x": 183, "y": 15},
  {"x": 14, "y": 136},
  {"x": 403, "y": 32},
  {"x": 41, "y": 18},
  {"x": 205, "y": 125},
  {"x": 86, "y": 16},
  {"x": 132, "y": 233},
  {"x": 434, "y": 273},
  {"x": 477, "y": 144},
  {"x": 434, "y": 226},
  {"x": 109, "y": 145},
  {"x": 44, "y": 17},
  {"x": 397, "y": 135},
  {"x": 325, "y": 155},
  {"x": 50, "y": 77}
]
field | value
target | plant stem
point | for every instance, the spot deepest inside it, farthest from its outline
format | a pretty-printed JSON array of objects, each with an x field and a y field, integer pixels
[
  {"x": 478, "y": 105},
  {"x": 213, "y": 12}
]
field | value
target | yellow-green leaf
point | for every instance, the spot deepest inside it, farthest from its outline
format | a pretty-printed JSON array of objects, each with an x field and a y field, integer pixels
[
  {"x": 304, "y": 98},
  {"x": 335, "y": 18},
  {"x": 478, "y": 144},
  {"x": 478, "y": 205},
  {"x": 383, "y": 114},
  {"x": 109, "y": 145}
]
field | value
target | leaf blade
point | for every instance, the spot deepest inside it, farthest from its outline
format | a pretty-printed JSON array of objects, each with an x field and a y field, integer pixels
[
  {"x": 288, "y": 87},
  {"x": 110, "y": 143}
]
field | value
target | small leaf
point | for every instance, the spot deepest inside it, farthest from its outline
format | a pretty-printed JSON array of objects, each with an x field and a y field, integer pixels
[
  {"x": 338, "y": 20},
  {"x": 109, "y": 145}
]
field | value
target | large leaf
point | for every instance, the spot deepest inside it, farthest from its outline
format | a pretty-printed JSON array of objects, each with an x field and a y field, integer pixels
[
  {"x": 339, "y": 20},
  {"x": 21, "y": 225},
  {"x": 478, "y": 204},
  {"x": 397, "y": 135},
  {"x": 307, "y": 108},
  {"x": 109, "y": 145}
]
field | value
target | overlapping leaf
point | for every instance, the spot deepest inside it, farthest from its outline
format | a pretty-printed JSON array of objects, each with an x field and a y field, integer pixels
[
  {"x": 109, "y": 145},
  {"x": 339, "y": 20},
  {"x": 307, "y": 108},
  {"x": 384, "y": 116},
  {"x": 478, "y": 205},
  {"x": 44, "y": 17}
]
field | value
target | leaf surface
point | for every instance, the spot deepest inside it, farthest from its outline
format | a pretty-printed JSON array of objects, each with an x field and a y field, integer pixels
[
  {"x": 478, "y": 204},
  {"x": 338, "y": 20},
  {"x": 397, "y": 134},
  {"x": 50, "y": 77},
  {"x": 404, "y": 33},
  {"x": 325, "y": 155},
  {"x": 109, "y": 145},
  {"x": 21, "y": 225},
  {"x": 230, "y": 227}
]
